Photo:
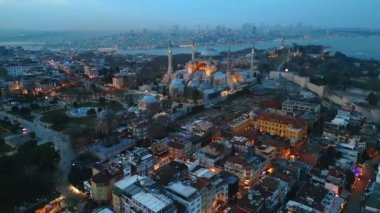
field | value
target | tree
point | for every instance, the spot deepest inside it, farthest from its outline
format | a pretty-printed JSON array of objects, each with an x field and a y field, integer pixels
[
  {"x": 32, "y": 135},
  {"x": 102, "y": 102},
  {"x": 372, "y": 99},
  {"x": 91, "y": 111},
  {"x": 30, "y": 171},
  {"x": 329, "y": 157},
  {"x": 34, "y": 106}
]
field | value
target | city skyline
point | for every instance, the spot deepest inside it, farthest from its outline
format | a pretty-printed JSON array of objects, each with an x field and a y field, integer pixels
[{"x": 116, "y": 15}]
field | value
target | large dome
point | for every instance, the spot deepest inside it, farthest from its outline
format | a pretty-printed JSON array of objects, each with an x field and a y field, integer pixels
[
  {"x": 177, "y": 83},
  {"x": 149, "y": 99},
  {"x": 209, "y": 52},
  {"x": 150, "y": 103}
]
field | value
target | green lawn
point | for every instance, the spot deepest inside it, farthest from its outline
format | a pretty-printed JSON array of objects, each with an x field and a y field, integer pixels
[
  {"x": 60, "y": 121},
  {"x": 6, "y": 126},
  {"x": 370, "y": 85},
  {"x": 3, "y": 130},
  {"x": 26, "y": 116},
  {"x": 4, "y": 148},
  {"x": 88, "y": 104}
]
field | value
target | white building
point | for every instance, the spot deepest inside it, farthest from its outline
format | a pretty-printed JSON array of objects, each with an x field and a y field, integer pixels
[
  {"x": 349, "y": 155},
  {"x": 294, "y": 106},
  {"x": 186, "y": 195},
  {"x": 139, "y": 194}
]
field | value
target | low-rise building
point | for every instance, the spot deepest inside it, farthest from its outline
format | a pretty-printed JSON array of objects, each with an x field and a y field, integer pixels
[
  {"x": 349, "y": 155},
  {"x": 141, "y": 161},
  {"x": 332, "y": 179},
  {"x": 185, "y": 195},
  {"x": 248, "y": 168},
  {"x": 282, "y": 126},
  {"x": 212, "y": 188},
  {"x": 266, "y": 195},
  {"x": 183, "y": 144},
  {"x": 241, "y": 123},
  {"x": 210, "y": 154},
  {"x": 160, "y": 155},
  {"x": 174, "y": 171},
  {"x": 137, "y": 124},
  {"x": 140, "y": 194},
  {"x": 291, "y": 107},
  {"x": 288, "y": 174},
  {"x": 199, "y": 127},
  {"x": 241, "y": 144},
  {"x": 103, "y": 177},
  {"x": 311, "y": 198}
]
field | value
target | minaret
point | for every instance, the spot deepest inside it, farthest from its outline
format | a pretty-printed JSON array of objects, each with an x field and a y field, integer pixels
[
  {"x": 282, "y": 43},
  {"x": 170, "y": 59},
  {"x": 288, "y": 56},
  {"x": 252, "y": 55},
  {"x": 229, "y": 74},
  {"x": 193, "y": 51}
]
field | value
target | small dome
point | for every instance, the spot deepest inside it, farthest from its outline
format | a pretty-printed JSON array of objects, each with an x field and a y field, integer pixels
[
  {"x": 177, "y": 83},
  {"x": 133, "y": 109},
  {"x": 105, "y": 114},
  {"x": 209, "y": 52},
  {"x": 149, "y": 99}
]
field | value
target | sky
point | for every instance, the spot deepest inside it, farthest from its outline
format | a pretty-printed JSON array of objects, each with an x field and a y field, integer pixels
[{"x": 119, "y": 15}]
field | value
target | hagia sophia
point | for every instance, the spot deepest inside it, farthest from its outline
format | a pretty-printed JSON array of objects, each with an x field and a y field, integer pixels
[{"x": 206, "y": 74}]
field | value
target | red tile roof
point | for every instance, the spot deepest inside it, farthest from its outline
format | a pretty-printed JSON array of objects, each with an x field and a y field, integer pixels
[{"x": 269, "y": 103}]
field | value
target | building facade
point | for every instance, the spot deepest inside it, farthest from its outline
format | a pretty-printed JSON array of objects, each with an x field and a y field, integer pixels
[{"x": 282, "y": 126}]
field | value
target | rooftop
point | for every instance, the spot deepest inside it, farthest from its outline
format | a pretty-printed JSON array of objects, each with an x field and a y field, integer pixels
[
  {"x": 127, "y": 181},
  {"x": 312, "y": 195},
  {"x": 150, "y": 201},
  {"x": 149, "y": 99},
  {"x": 169, "y": 172},
  {"x": 182, "y": 189},
  {"x": 295, "y": 122},
  {"x": 107, "y": 171},
  {"x": 266, "y": 186},
  {"x": 268, "y": 103}
]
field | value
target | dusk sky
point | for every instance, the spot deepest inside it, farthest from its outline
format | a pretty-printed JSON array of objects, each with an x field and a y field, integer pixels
[{"x": 127, "y": 14}]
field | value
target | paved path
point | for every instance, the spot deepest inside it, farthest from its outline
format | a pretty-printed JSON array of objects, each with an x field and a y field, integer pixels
[
  {"x": 61, "y": 143},
  {"x": 354, "y": 205}
]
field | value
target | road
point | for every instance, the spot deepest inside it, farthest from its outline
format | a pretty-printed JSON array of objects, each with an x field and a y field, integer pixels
[
  {"x": 61, "y": 143},
  {"x": 355, "y": 203}
]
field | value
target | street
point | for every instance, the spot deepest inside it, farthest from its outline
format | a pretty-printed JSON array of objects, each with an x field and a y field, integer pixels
[{"x": 355, "y": 202}]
